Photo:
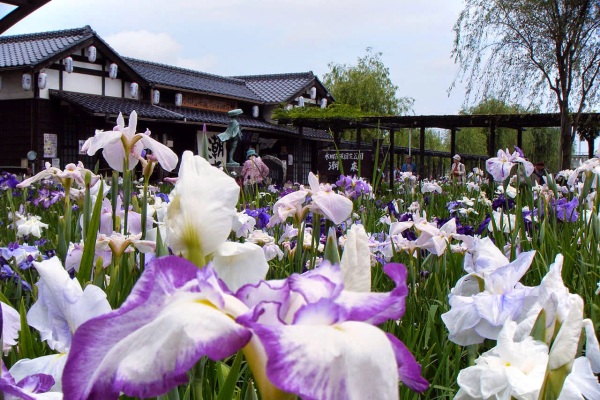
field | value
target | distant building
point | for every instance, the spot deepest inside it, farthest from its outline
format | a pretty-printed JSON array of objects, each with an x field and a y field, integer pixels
[{"x": 57, "y": 88}]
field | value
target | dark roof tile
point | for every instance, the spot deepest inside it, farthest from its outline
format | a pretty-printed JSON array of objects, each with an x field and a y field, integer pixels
[
  {"x": 94, "y": 104},
  {"x": 276, "y": 88},
  {"x": 182, "y": 78},
  {"x": 114, "y": 105},
  {"x": 33, "y": 48}
]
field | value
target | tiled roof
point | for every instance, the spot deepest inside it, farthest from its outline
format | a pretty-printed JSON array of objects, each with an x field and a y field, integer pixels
[
  {"x": 31, "y": 49},
  {"x": 94, "y": 104},
  {"x": 167, "y": 75},
  {"x": 277, "y": 88},
  {"x": 319, "y": 134},
  {"x": 114, "y": 105}
]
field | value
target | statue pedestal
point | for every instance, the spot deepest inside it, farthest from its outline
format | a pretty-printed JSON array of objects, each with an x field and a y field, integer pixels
[{"x": 234, "y": 169}]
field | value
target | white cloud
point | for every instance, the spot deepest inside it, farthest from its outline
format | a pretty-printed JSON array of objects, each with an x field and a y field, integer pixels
[
  {"x": 158, "y": 47},
  {"x": 145, "y": 45}
]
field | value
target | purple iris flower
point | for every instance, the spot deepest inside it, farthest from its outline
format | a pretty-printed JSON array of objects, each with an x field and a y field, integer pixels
[
  {"x": 8, "y": 181},
  {"x": 566, "y": 211},
  {"x": 392, "y": 210},
  {"x": 483, "y": 225},
  {"x": 307, "y": 326},
  {"x": 405, "y": 217},
  {"x": 27, "y": 387},
  {"x": 451, "y": 205},
  {"x": 502, "y": 202},
  {"x": 7, "y": 273},
  {"x": 285, "y": 192},
  {"x": 46, "y": 198},
  {"x": 518, "y": 150},
  {"x": 163, "y": 196},
  {"x": 261, "y": 215}
]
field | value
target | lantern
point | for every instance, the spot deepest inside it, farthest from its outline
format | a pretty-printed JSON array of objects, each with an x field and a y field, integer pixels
[
  {"x": 300, "y": 101},
  {"x": 178, "y": 99},
  {"x": 42, "y": 80},
  {"x": 68, "y": 64},
  {"x": 91, "y": 53},
  {"x": 313, "y": 92},
  {"x": 255, "y": 111},
  {"x": 26, "y": 81},
  {"x": 155, "y": 97},
  {"x": 323, "y": 102},
  {"x": 133, "y": 89},
  {"x": 112, "y": 71}
]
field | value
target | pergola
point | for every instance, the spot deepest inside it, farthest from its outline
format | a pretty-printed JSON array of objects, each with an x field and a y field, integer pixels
[
  {"x": 453, "y": 123},
  {"x": 23, "y": 9}
]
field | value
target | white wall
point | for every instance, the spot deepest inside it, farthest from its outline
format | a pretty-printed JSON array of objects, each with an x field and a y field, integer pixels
[
  {"x": 80, "y": 83},
  {"x": 113, "y": 87},
  {"x": 52, "y": 82},
  {"x": 12, "y": 87}
]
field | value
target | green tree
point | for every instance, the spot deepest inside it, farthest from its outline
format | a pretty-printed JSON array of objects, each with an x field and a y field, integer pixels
[
  {"x": 544, "y": 50},
  {"x": 539, "y": 144},
  {"x": 366, "y": 85}
]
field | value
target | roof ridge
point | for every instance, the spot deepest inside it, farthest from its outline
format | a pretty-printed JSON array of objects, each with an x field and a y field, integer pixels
[
  {"x": 276, "y": 76},
  {"x": 49, "y": 34},
  {"x": 185, "y": 70}
]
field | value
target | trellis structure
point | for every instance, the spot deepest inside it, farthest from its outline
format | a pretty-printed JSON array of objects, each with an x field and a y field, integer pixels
[{"x": 453, "y": 123}]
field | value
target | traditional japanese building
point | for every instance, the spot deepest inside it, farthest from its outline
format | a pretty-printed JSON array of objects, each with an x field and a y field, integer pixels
[{"x": 57, "y": 88}]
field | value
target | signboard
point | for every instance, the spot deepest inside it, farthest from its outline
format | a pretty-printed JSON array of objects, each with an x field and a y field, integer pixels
[
  {"x": 353, "y": 162},
  {"x": 50, "y": 145},
  {"x": 217, "y": 152},
  {"x": 207, "y": 103}
]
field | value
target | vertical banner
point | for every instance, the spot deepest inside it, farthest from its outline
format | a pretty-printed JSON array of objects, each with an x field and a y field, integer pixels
[
  {"x": 50, "y": 145},
  {"x": 216, "y": 149}
]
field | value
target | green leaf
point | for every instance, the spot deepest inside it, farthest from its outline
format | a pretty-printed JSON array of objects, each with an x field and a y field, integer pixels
[
  {"x": 553, "y": 382},
  {"x": 89, "y": 248},
  {"x": 228, "y": 388},
  {"x": 25, "y": 338},
  {"x": 251, "y": 392},
  {"x": 331, "y": 253},
  {"x": 538, "y": 332}
]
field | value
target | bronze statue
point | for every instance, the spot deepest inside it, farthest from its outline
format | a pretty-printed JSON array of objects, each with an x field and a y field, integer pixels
[{"x": 233, "y": 133}]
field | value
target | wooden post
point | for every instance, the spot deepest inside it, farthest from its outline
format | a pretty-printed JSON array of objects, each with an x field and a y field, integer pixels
[
  {"x": 492, "y": 140},
  {"x": 297, "y": 166},
  {"x": 336, "y": 138},
  {"x": 453, "y": 142},
  {"x": 358, "y": 138},
  {"x": 520, "y": 137},
  {"x": 392, "y": 163},
  {"x": 422, "y": 151}
]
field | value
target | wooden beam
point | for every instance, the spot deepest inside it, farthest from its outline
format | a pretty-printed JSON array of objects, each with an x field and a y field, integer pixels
[
  {"x": 24, "y": 8},
  {"x": 422, "y": 151}
]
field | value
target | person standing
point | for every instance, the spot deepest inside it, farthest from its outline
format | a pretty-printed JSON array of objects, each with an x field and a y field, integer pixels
[
  {"x": 539, "y": 173},
  {"x": 458, "y": 171},
  {"x": 254, "y": 170},
  {"x": 409, "y": 166}
]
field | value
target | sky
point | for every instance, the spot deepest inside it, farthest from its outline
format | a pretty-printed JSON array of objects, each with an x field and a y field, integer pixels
[{"x": 237, "y": 37}]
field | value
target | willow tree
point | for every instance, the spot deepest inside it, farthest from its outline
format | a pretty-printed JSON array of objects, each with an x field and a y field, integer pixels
[
  {"x": 367, "y": 86},
  {"x": 547, "y": 51}
]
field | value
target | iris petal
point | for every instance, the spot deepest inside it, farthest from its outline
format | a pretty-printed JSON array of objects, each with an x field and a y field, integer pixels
[{"x": 123, "y": 352}]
